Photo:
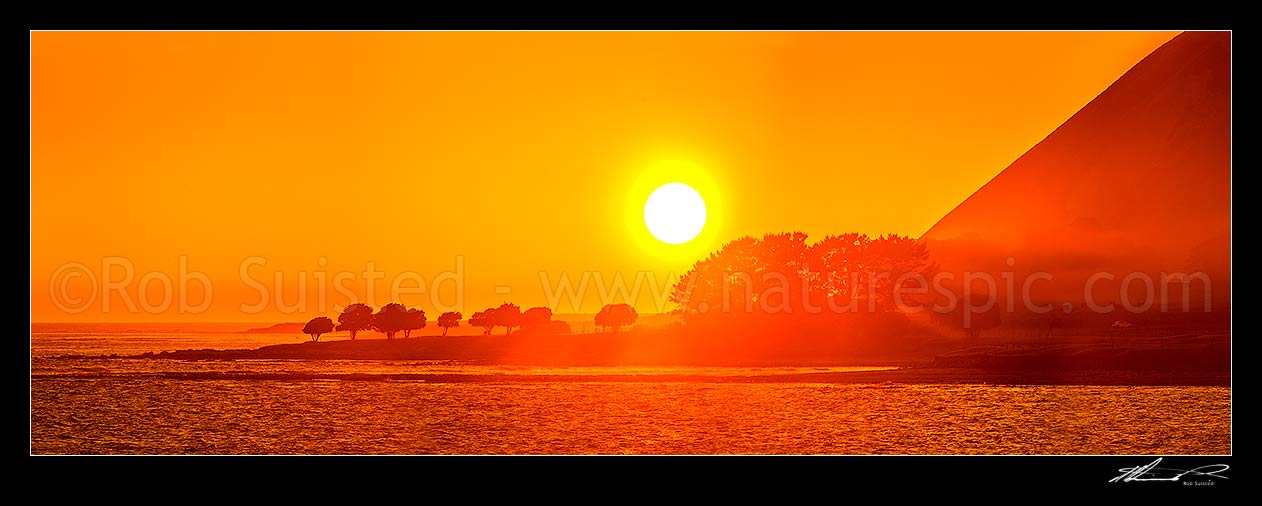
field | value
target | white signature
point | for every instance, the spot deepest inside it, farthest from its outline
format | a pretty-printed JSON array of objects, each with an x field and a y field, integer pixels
[{"x": 1151, "y": 472}]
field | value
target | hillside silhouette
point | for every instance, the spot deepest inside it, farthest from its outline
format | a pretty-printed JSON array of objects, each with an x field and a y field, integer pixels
[{"x": 1136, "y": 181}]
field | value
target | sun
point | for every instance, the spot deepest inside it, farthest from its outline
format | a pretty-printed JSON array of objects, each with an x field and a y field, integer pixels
[
  {"x": 675, "y": 213},
  {"x": 674, "y": 208}
]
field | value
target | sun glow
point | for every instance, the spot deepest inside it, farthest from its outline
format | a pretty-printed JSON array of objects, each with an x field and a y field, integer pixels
[{"x": 674, "y": 210}]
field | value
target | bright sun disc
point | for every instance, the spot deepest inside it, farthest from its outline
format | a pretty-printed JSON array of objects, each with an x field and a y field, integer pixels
[{"x": 675, "y": 213}]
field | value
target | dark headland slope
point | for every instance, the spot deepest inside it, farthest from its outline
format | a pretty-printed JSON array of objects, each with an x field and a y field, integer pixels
[{"x": 1136, "y": 181}]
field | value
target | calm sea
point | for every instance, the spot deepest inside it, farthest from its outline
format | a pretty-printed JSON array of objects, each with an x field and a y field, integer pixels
[{"x": 127, "y": 406}]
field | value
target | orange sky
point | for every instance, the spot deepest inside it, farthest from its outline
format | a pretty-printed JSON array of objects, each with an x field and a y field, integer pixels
[{"x": 516, "y": 153}]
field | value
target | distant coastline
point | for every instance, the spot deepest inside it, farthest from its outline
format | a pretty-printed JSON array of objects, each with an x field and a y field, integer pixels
[{"x": 279, "y": 328}]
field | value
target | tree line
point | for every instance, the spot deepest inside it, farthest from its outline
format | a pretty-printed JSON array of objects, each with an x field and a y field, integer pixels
[
  {"x": 781, "y": 284},
  {"x": 783, "y": 273},
  {"x": 394, "y": 318}
]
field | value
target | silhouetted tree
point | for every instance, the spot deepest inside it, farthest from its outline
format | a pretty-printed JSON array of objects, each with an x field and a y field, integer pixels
[
  {"x": 484, "y": 320},
  {"x": 415, "y": 320},
  {"x": 390, "y": 319},
  {"x": 535, "y": 318},
  {"x": 556, "y": 327},
  {"x": 616, "y": 316},
  {"x": 507, "y": 316},
  {"x": 448, "y": 320},
  {"x": 317, "y": 326},
  {"x": 354, "y": 318}
]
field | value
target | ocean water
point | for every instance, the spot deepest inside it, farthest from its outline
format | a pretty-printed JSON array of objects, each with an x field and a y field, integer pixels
[{"x": 136, "y": 406}]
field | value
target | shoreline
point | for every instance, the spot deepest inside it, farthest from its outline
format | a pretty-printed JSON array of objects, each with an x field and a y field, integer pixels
[
  {"x": 1180, "y": 360},
  {"x": 905, "y": 376}
]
